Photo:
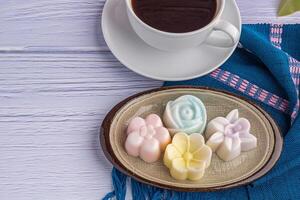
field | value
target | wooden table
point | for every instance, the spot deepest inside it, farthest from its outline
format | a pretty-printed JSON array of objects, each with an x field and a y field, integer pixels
[{"x": 57, "y": 81}]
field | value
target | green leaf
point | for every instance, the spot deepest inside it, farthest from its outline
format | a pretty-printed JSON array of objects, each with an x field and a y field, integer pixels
[{"x": 288, "y": 7}]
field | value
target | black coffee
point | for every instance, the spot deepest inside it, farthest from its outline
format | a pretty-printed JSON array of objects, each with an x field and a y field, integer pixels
[{"x": 176, "y": 16}]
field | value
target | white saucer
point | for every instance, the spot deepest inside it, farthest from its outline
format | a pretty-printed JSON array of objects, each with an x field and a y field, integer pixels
[{"x": 143, "y": 59}]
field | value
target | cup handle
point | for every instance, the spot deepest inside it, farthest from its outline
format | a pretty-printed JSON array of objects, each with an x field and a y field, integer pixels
[{"x": 230, "y": 30}]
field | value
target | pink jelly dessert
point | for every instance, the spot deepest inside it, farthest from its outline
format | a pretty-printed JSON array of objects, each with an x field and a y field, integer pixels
[{"x": 147, "y": 138}]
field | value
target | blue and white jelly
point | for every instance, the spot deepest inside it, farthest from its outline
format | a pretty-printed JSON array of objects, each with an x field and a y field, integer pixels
[{"x": 185, "y": 114}]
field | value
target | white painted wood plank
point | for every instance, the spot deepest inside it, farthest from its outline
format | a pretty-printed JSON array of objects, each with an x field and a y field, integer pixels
[
  {"x": 50, "y": 23},
  {"x": 76, "y": 23},
  {"x": 264, "y": 11},
  {"x": 50, "y": 149},
  {"x": 51, "y": 109},
  {"x": 49, "y": 174},
  {"x": 69, "y": 79}
]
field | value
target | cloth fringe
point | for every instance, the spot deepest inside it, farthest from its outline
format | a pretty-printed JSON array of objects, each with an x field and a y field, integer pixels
[{"x": 119, "y": 185}]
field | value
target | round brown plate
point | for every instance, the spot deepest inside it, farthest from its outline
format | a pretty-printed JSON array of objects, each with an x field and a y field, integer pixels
[{"x": 246, "y": 168}]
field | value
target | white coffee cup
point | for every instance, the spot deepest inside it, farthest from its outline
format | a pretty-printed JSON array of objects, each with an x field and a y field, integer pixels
[{"x": 178, "y": 41}]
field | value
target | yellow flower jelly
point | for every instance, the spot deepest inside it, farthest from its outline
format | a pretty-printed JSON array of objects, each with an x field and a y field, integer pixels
[{"x": 187, "y": 156}]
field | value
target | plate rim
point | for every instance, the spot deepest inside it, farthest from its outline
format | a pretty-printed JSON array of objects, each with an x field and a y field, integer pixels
[
  {"x": 109, "y": 154},
  {"x": 129, "y": 66}
]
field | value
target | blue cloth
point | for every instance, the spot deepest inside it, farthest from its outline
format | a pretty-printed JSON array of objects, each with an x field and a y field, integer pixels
[{"x": 266, "y": 70}]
